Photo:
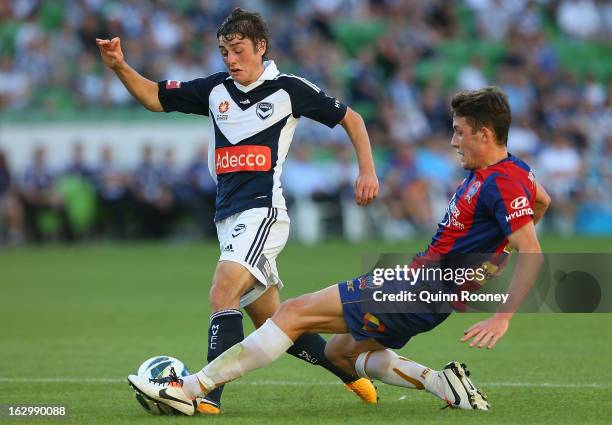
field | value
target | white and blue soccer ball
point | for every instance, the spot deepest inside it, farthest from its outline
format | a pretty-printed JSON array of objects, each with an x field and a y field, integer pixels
[{"x": 155, "y": 368}]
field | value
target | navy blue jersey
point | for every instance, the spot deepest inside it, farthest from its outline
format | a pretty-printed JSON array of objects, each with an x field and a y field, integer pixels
[{"x": 250, "y": 130}]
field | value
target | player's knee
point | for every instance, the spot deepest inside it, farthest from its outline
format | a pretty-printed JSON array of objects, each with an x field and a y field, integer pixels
[
  {"x": 223, "y": 293},
  {"x": 292, "y": 310},
  {"x": 289, "y": 309}
]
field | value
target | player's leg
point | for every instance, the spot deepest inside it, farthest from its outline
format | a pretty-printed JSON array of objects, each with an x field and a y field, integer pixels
[
  {"x": 317, "y": 312},
  {"x": 369, "y": 358},
  {"x": 372, "y": 360},
  {"x": 263, "y": 307},
  {"x": 372, "y": 332},
  {"x": 263, "y": 301},
  {"x": 309, "y": 347},
  {"x": 230, "y": 281},
  {"x": 451, "y": 384},
  {"x": 242, "y": 275}
]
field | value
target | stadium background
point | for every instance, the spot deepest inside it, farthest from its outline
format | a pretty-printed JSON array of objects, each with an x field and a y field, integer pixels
[{"x": 85, "y": 308}]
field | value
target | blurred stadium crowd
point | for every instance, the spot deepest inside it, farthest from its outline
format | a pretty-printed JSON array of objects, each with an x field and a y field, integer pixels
[{"x": 396, "y": 62}]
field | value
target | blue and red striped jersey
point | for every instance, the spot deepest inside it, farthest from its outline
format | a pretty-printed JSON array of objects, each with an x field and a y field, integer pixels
[{"x": 489, "y": 205}]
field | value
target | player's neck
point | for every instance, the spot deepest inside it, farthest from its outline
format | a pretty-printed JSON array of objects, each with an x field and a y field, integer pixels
[{"x": 494, "y": 157}]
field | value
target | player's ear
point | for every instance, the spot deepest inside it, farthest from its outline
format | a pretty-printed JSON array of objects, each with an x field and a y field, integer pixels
[
  {"x": 487, "y": 135},
  {"x": 261, "y": 46}
]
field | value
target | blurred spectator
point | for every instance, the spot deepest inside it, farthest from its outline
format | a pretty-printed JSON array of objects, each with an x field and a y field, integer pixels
[
  {"x": 302, "y": 178},
  {"x": 523, "y": 140},
  {"x": 77, "y": 166},
  {"x": 560, "y": 166},
  {"x": 493, "y": 18},
  {"x": 153, "y": 200},
  {"x": 14, "y": 85},
  {"x": 201, "y": 192},
  {"x": 113, "y": 199},
  {"x": 579, "y": 18},
  {"x": 11, "y": 211},
  {"x": 40, "y": 196},
  {"x": 314, "y": 193},
  {"x": 405, "y": 193},
  {"x": 471, "y": 76},
  {"x": 435, "y": 107}
]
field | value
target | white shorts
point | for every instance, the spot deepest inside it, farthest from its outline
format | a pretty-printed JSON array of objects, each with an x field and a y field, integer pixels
[{"x": 254, "y": 238}]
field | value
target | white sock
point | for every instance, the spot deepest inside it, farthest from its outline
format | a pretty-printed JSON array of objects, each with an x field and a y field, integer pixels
[
  {"x": 392, "y": 369},
  {"x": 257, "y": 350}
]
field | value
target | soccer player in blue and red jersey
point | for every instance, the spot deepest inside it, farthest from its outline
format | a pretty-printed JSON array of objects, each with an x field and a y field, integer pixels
[{"x": 496, "y": 205}]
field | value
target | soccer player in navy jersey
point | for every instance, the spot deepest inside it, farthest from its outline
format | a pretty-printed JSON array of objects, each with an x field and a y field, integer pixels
[
  {"x": 253, "y": 111},
  {"x": 497, "y": 204}
]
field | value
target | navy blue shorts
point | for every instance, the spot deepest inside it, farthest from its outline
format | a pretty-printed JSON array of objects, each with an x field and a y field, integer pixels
[{"x": 391, "y": 324}]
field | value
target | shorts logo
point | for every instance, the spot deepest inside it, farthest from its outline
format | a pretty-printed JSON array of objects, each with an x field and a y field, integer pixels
[
  {"x": 372, "y": 324},
  {"x": 228, "y": 248},
  {"x": 243, "y": 158},
  {"x": 519, "y": 203},
  {"x": 173, "y": 84},
  {"x": 238, "y": 230},
  {"x": 367, "y": 282},
  {"x": 224, "y": 106},
  {"x": 264, "y": 110}
]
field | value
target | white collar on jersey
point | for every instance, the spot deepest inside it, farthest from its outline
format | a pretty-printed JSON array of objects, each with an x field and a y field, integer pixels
[{"x": 270, "y": 73}]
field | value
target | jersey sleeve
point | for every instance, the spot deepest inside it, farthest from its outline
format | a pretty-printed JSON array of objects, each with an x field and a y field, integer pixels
[
  {"x": 509, "y": 202},
  {"x": 311, "y": 102},
  {"x": 189, "y": 97}
]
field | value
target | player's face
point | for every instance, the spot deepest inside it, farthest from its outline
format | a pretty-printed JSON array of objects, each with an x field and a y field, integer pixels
[
  {"x": 242, "y": 59},
  {"x": 467, "y": 143}
]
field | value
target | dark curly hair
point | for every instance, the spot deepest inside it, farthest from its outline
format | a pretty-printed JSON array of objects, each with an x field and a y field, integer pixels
[{"x": 243, "y": 24}]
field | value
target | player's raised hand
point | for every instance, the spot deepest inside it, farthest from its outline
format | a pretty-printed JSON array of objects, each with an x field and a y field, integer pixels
[
  {"x": 487, "y": 332},
  {"x": 366, "y": 188},
  {"x": 111, "y": 52}
]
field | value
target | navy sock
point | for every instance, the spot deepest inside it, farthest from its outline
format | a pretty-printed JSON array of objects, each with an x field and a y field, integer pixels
[
  {"x": 311, "y": 349},
  {"x": 225, "y": 330}
]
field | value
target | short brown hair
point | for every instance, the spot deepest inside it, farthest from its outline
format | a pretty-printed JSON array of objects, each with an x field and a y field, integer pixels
[
  {"x": 244, "y": 24},
  {"x": 486, "y": 107}
]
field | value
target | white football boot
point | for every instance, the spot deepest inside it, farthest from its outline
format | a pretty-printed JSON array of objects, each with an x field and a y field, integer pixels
[
  {"x": 167, "y": 391},
  {"x": 459, "y": 390}
]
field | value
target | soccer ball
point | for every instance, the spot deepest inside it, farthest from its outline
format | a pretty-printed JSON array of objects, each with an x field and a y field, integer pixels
[{"x": 159, "y": 367}]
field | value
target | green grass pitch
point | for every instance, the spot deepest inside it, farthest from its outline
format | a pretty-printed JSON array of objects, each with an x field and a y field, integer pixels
[{"x": 75, "y": 321}]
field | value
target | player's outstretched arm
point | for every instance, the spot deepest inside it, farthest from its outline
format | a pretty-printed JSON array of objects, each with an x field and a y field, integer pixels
[
  {"x": 489, "y": 331},
  {"x": 366, "y": 185},
  {"x": 144, "y": 90},
  {"x": 542, "y": 201}
]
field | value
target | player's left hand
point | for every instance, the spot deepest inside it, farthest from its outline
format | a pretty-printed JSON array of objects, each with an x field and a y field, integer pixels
[
  {"x": 486, "y": 332},
  {"x": 366, "y": 188}
]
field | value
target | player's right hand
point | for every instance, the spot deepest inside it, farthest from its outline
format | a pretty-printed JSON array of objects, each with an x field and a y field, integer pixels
[
  {"x": 111, "y": 53},
  {"x": 366, "y": 188},
  {"x": 487, "y": 332}
]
